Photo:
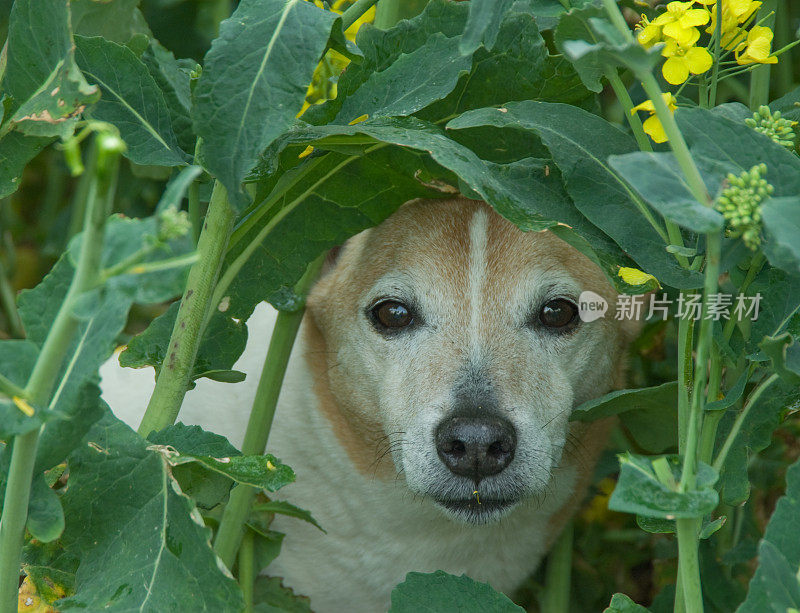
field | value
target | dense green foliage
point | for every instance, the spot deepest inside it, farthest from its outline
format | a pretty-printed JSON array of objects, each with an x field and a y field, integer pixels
[{"x": 225, "y": 194}]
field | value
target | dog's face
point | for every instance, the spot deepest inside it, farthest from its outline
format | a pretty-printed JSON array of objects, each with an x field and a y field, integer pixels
[{"x": 452, "y": 340}]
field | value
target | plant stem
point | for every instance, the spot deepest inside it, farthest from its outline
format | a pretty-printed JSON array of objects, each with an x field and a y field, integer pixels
[
  {"x": 689, "y": 565},
  {"x": 783, "y": 36},
  {"x": 175, "y": 375},
  {"x": 759, "y": 78},
  {"x": 9, "y": 302},
  {"x": 685, "y": 377},
  {"x": 559, "y": 573},
  {"x": 712, "y": 95},
  {"x": 230, "y": 531},
  {"x": 389, "y": 12},
  {"x": 627, "y": 104},
  {"x": 247, "y": 575},
  {"x": 195, "y": 215},
  {"x": 355, "y": 11},
  {"x": 719, "y": 462},
  {"x": 38, "y": 390}
]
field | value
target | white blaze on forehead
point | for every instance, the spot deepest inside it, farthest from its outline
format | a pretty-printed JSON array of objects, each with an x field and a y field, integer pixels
[{"x": 478, "y": 236}]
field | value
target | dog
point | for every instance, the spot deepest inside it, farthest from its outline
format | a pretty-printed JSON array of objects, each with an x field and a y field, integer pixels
[{"x": 426, "y": 403}]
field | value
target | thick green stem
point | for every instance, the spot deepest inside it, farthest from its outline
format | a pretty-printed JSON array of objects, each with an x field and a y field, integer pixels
[
  {"x": 229, "y": 534},
  {"x": 685, "y": 377},
  {"x": 175, "y": 375},
  {"x": 389, "y": 12},
  {"x": 689, "y": 564},
  {"x": 355, "y": 11},
  {"x": 759, "y": 77},
  {"x": 783, "y": 37},
  {"x": 559, "y": 573},
  {"x": 247, "y": 575},
  {"x": 9, "y": 303},
  {"x": 45, "y": 372},
  {"x": 719, "y": 462},
  {"x": 712, "y": 95}
]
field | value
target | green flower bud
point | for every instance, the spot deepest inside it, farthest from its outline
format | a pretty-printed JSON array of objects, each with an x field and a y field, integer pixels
[{"x": 740, "y": 204}]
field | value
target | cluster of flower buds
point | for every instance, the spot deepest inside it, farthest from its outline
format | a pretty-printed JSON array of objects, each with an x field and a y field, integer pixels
[
  {"x": 172, "y": 224},
  {"x": 740, "y": 204},
  {"x": 773, "y": 125}
]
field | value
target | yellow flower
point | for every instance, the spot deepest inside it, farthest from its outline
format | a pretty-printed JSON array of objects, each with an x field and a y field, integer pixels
[
  {"x": 648, "y": 34},
  {"x": 653, "y": 128},
  {"x": 634, "y": 276},
  {"x": 679, "y": 22},
  {"x": 682, "y": 60},
  {"x": 756, "y": 49},
  {"x": 734, "y": 13}
]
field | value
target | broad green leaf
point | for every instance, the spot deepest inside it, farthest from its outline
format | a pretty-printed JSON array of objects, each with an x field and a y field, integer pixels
[
  {"x": 141, "y": 543},
  {"x": 206, "y": 488},
  {"x": 270, "y": 596},
  {"x": 640, "y": 491},
  {"x": 754, "y": 436},
  {"x": 117, "y": 20},
  {"x": 779, "y": 299},
  {"x": 788, "y": 105},
  {"x": 266, "y": 546},
  {"x": 573, "y": 26},
  {"x": 131, "y": 100},
  {"x": 17, "y": 358},
  {"x": 782, "y": 232},
  {"x": 16, "y": 150},
  {"x": 658, "y": 179},
  {"x": 410, "y": 83},
  {"x": 47, "y": 88},
  {"x": 223, "y": 342},
  {"x": 736, "y": 147},
  {"x": 254, "y": 81},
  {"x": 600, "y": 45},
  {"x": 45, "y": 515},
  {"x": 264, "y": 472},
  {"x": 784, "y": 353},
  {"x": 283, "y": 507},
  {"x": 731, "y": 396},
  {"x": 775, "y": 586},
  {"x": 620, "y": 603},
  {"x": 580, "y": 144},
  {"x": 656, "y": 525},
  {"x": 441, "y": 592},
  {"x": 649, "y": 415},
  {"x": 172, "y": 77},
  {"x": 483, "y": 24}
]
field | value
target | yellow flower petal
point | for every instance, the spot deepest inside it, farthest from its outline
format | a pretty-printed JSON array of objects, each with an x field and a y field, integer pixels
[
  {"x": 675, "y": 70},
  {"x": 634, "y": 276},
  {"x": 647, "y": 105},
  {"x": 654, "y": 129},
  {"x": 695, "y": 17},
  {"x": 306, "y": 152},
  {"x": 699, "y": 60}
]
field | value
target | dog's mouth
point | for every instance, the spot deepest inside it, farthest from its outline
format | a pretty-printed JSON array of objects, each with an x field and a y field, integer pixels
[{"x": 477, "y": 510}]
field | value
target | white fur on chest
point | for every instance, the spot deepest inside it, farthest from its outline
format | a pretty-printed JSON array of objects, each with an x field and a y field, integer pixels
[{"x": 377, "y": 530}]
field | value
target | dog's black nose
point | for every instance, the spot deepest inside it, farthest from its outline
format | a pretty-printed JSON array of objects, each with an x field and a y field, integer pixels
[{"x": 476, "y": 447}]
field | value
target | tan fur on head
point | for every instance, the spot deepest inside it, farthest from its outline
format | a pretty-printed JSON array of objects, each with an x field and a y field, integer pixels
[{"x": 476, "y": 282}]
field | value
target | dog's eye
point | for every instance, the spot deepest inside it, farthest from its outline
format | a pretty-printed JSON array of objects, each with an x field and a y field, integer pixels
[
  {"x": 558, "y": 313},
  {"x": 391, "y": 314}
]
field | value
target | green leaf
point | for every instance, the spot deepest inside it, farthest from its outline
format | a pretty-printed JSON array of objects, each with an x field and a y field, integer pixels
[
  {"x": 640, "y": 491},
  {"x": 264, "y": 472},
  {"x": 254, "y": 81},
  {"x": 650, "y": 414},
  {"x": 141, "y": 543},
  {"x": 788, "y": 105},
  {"x": 17, "y": 358},
  {"x": 266, "y": 546},
  {"x": 732, "y": 396},
  {"x": 45, "y": 515},
  {"x": 599, "y": 45},
  {"x": 270, "y": 596},
  {"x": 131, "y": 100},
  {"x": 573, "y": 26},
  {"x": 782, "y": 232},
  {"x": 16, "y": 150},
  {"x": 658, "y": 179},
  {"x": 620, "y": 603},
  {"x": 441, "y": 592},
  {"x": 172, "y": 77},
  {"x": 483, "y": 24},
  {"x": 754, "y": 436},
  {"x": 784, "y": 353},
  {"x": 656, "y": 525},
  {"x": 47, "y": 88},
  {"x": 285, "y": 508},
  {"x": 580, "y": 144},
  {"x": 775, "y": 587},
  {"x": 117, "y": 21},
  {"x": 410, "y": 83},
  {"x": 223, "y": 342}
]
